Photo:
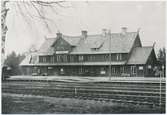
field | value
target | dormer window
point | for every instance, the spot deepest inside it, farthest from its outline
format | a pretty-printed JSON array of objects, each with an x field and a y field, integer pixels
[{"x": 95, "y": 49}]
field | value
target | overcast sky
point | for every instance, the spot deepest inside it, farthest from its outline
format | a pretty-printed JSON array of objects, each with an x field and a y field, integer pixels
[{"x": 90, "y": 16}]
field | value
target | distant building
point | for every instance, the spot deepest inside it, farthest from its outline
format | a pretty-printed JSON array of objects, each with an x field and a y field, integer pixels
[{"x": 115, "y": 54}]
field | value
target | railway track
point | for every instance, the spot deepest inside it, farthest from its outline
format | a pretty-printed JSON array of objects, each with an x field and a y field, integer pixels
[{"x": 138, "y": 93}]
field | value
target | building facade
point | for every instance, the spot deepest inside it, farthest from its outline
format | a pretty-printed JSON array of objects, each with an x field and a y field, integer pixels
[{"x": 105, "y": 54}]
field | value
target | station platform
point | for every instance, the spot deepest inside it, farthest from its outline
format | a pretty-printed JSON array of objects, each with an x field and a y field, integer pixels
[{"x": 89, "y": 79}]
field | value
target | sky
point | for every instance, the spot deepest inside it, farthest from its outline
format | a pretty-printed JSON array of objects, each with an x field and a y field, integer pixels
[{"x": 25, "y": 31}]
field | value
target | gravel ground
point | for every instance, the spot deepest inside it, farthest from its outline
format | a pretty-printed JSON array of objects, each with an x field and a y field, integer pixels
[{"x": 28, "y": 104}]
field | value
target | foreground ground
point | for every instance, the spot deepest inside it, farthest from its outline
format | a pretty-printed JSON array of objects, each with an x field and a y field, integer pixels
[{"x": 28, "y": 104}]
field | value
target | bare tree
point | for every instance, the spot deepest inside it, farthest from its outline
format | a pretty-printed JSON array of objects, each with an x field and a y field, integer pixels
[
  {"x": 4, "y": 29},
  {"x": 23, "y": 8}
]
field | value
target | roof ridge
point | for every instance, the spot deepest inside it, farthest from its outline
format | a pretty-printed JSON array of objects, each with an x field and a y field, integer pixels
[
  {"x": 146, "y": 47},
  {"x": 81, "y": 35},
  {"x": 50, "y": 38},
  {"x": 70, "y": 36}
]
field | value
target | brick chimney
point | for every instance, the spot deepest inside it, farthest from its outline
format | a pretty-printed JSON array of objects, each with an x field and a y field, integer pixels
[
  {"x": 104, "y": 32},
  {"x": 124, "y": 30},
  {"x": 84, "y": 33},
  {"x": 59, "y": 35}
]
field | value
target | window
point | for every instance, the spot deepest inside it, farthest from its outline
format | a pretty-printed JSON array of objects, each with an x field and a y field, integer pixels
[
  {"x": 44, "y": 59},
  {"x": 40, "y": 59},
  {"x": 149, "y": 66},
  {"x": 118, "y": 57},
  {"x": 64, "y": 58},
  {"x": 113, "y": 70},
  {"x": 106, "y": 57},
  {"x": 123, "y": 69},
  {"x": 58, "y": 58},
  {"x": 52, "y": 59},
  {"x": 133, "y": 69},
  {"x": 102, "y": 71},
  {"x": 81, "y": 58},
  {"x": 91, "y": 58},
  {"x": 71, "y": 58}
]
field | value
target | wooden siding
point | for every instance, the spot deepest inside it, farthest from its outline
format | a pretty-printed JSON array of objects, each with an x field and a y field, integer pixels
[
  {"x": 151, "y": 63},
  {"x": 82, "y": 58},
  {"x": 79, "y": 70},
  {"x": 116, "y": 71}
]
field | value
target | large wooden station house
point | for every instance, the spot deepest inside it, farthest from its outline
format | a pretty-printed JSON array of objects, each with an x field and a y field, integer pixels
[{"x": 105, "y": 54}]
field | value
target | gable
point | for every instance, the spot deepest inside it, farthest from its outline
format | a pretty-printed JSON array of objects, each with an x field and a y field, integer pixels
[
  {"x": 152, "y": 58},
  {"x": 137, "y": 42},
  {"x": 72, "y": 40},
  {"x": 140, "y": 55},
  {"x": 61, "y": 45}
]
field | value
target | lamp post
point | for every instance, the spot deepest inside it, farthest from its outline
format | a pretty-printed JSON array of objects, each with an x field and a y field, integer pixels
[
  {"x": 160, "y": 90},
  {"x": 160, "y": 87},
  {"x": 109, "y": 33},
  {"x": 163, "y": 71}
]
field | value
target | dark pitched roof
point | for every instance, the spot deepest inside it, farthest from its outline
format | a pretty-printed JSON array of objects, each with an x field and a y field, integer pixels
[
  {"x": 72, "y": 40},
  {"x": 46, "y": 48},
  {"x": 140, "y": 55},
  {"x": 119, "y": 44},
  {"x": 31, "y": 58}
]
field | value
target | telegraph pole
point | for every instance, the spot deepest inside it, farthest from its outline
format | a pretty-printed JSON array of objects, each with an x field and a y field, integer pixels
[
  {"x": 160, "y": 90},
  {"x": 109, "y": 32},
  {"x": 160, "y": 87}
]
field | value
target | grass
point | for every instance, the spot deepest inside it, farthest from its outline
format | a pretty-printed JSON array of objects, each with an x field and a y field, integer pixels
[{"x": 23, "y": 104}]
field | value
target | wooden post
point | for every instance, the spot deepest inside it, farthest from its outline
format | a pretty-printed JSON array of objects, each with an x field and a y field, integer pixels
[{"x": 109, "y": 54}]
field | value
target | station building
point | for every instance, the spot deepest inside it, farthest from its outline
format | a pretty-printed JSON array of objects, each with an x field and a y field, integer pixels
[{"x": 104, "y": 54}]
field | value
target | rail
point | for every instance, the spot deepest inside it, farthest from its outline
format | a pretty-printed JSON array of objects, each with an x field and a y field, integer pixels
[{"x": 147, "y": 93}]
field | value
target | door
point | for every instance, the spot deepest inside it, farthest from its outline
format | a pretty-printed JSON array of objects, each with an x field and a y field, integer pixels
[{"x": 133, "y": 71}]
